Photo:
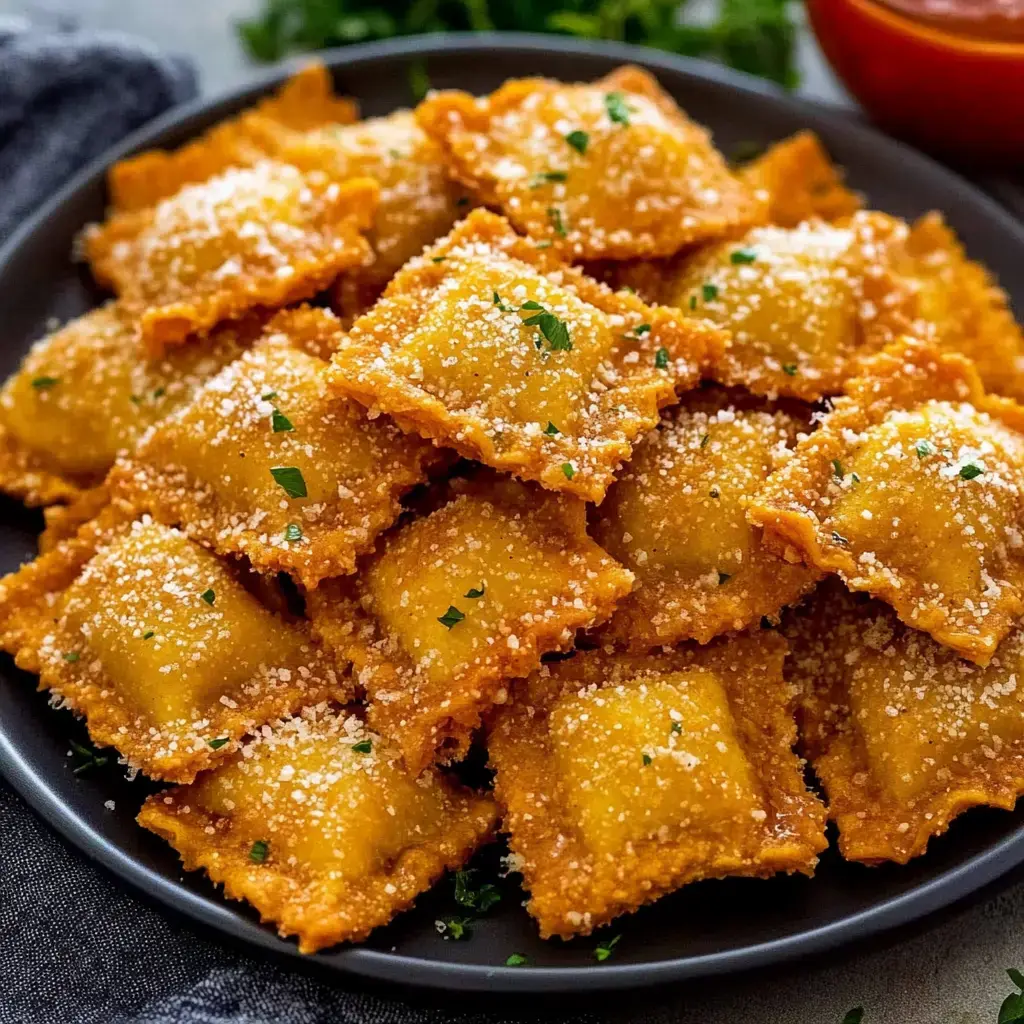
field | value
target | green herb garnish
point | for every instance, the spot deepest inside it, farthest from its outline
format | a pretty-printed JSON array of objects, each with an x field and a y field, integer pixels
[
  {"x": 970, "y": 470},
  {"x": 551, "y": 429},
  {"x": 724, "y": 577},
  {"x": 1012, "y": 1010},
  {"x": 709, "y": 292},
  {"x": 88, "y": 758},
  {"x": 477, "y": 898},
  {"x": 258, "y": 851},
  {"x": 516, "y": 960},
  {"x": 924, "y": 449},
  {"x": 646, "y": 758},
  {"x": 148, "y": 635},
  {"x": 661, "y": 358},
  {"x": 854, "y": 1016},
  {"x": 44, "y": 383},
  {"x": 547, "y": 178},
  {"x": 208, "y": 596},
  {"x": 290, "y": 480},
  {"x": 280, "y": 422},
  {"x": 677, "y": 728},
  {"x": 579, "y": 140},
  {"x": 740, "y": 256},
  {"x": 555, "y": 216},
  {"x": 568, "y": 470},
  {"x": 419, "y": 80},
  {"x": 704, "y": 438},
  {"x": 837, "y": 468},
  {"x": 456, "y": 928},
  {"x": 615, "y": 105},
  {"x": 789, "y": 369},
  {"x": 451, "y": 617},
  {"x": 475, "y": 593},
  {"x": 555, "y": 331},
  {"x": 362, "y": 747},
  {"x": 72, "y": 656},
  {"x": 604, "y": 950},
  {"x": 839, "y": 538},
  {"x": 218, "y": 743},
  {"x": 293, "y": 532},
  {"x": 269, "y": 396}
]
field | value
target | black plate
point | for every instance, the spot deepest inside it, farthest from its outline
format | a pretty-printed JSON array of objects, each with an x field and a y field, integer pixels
[{"x": 711, "y": 927}]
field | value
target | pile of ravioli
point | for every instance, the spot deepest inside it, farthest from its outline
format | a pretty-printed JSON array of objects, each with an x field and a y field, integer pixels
[{"x": 525, "y": 424}]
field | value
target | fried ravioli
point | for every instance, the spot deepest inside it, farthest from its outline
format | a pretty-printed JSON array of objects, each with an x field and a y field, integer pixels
[
  {"x": 318, "y": 826},
  {"x": 624, "y": 777}
]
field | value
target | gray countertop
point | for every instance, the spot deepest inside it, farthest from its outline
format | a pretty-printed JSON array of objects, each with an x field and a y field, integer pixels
[{"x": 946, "y": 973}]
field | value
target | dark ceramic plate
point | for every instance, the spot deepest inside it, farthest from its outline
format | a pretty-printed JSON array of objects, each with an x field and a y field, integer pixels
[{"x": 711, "y": 927}]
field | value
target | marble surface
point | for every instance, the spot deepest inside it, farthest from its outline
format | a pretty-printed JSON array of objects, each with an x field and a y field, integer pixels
[{"x": 946, "y": 972}]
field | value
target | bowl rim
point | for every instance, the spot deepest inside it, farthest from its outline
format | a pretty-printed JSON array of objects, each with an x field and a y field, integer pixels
[{"x": 942, "y": 891}]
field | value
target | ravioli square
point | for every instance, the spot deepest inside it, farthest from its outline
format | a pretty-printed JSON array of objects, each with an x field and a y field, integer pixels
[
  {"x": 259, "y": 236},
  {"x": 676, "y": 518},
  {"x": 266, "y": 462},
  {"x": 418, "y": 201},
  {"x": 799, "y": 182},
  {"x": 497, "y": 349},
  {"x": 607, "y": 170},
  {"x": 86, "y": 391},
  {"x": 802, "y": 304},
  {"x": 453, "y": 605},
  {"x": 912, "y": 490},
  {"x": 156, "y": 643},
  {"x": 304, "y": 103},
  {"x": 623, "y": 777},
  {"x": 318, "y": 826},
  {"x": 903, "y": 733}
]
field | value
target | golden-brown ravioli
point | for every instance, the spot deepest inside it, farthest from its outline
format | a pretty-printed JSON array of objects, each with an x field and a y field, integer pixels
[
  {"x": 903, "y": 734},
  {"x": 497, "y": 349},
  {"x": 676, "y": 517},
  {"x": 305, "y": 102},
  {"x": 259, "y": 236},
  {"x": 317, "y": 825},
  {"x": 612, "y": 169},
  {"x": 266, "y": 462},
  {"x": 913, "y": 490},
  {"x": 800, "y": 182},
  {"x": 454, "y": 605},
  {"x": 86, "y": 391},
  {"x": 157, "y": 645},
  {"x": 624, "y": 777},
  {"x": 801, "y": 304}
]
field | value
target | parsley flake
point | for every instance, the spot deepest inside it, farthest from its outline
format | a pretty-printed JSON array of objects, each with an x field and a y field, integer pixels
[
  {"x": 568, "y": 470},
  {"x": 44, "y": 383},
  {"x": 418, "y": 79},
  {"x": 208, "y": 596},
  {"x": 839, "y": 538},
  {"x": 704, "y": 438},
  {"x": 544, "y": 243},
  {"x": 661, "y": 358},
  {"x": 362, "y": 747},
  {"x": 709, "y": 292},
  {"x": 516, "y": 960},
  {"x": 677, "y": 728},
  {"x": 88, "y": 758},
  {"x": 280, "y": 422},
  {"x": 724, "y": 577},
  {"x": 579, "y": 140},
  {"x": 474, "y": 593},
  {"x": 970, "y": 470},
  {"x": 258, "y": 851},
  {"x": 438, "y": 259},
  {"x": 293, "y": 532},
  {"x": 693, "y": 302},
  {"x": 554, "y": 330},
  {"x": 745, "y": 255},
  {"x": 618, "y": 111},
  {"x": 646, "y": 759},
  {"x": 854, "y": 1016},
  {"x": 555, "y": 216},
  {"x": 551, "y": 429},
  {"x": 547, "y": 178},
  {"x": 480, "y": 898},
  {"x": 72, "y": 657},
  {"x": 218, "y": 743},
  {"x": 148, "y": 635},
  {"x": 837, "y": 468},
  {"x": 290, "y": 480},
  {"x": 604, "y": 950},
  {"x": 451, "y": 617},
  {"x": 789, "y": 369},
  {"x": 456, "y": 928},
  {"x": 159, "y": 393},
  {"x": 924, "y": 449},
  {"x": 269, "y": 396},
  {"x": 1012, "y": 1010}
]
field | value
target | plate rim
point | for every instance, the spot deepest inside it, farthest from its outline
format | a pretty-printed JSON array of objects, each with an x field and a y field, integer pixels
[{"x": 945, "y": 890}]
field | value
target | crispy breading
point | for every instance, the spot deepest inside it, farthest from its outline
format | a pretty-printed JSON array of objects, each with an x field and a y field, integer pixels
[
  {"x": 913, "y": 490},
  {"x": 497, "y": 349},
  {"x": 418, "y": 201},
  {"x": 959, "y": 303},
  {"x": 624, "y": 777},
  {"x": 64, "y": 521},
  {"x": 260, "y": 236},
  {"x": 800, "y": 182},
  {"x": 305, "y": 102},
  {"x": 802, "y": 304},
  {"x": 454, "y": 605},
  {"x": 318, "y": 826},
  {"x": 86, "y": 391},
  {"x": 611, "y": 169},
  {"x": 676, "y": 517},
  {"x": 266, "y": 462},
  {"x": 903, "y": 734},
  {"x": 157, "y": 645}
]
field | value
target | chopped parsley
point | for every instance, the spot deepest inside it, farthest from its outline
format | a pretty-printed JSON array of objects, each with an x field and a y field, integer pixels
[
  {"x": 290, "y": 480},
  {"x": 474, "y": 593},
  {"x": 362, "y": 747},
  {"x": 456, "y": 928},
  {"x": 693, "y": 302},
  {"x": 516, "y": 959},
  {"x": 839, "y": 538},
  {"x": 293, "y": 532},
  {"x": 661, "y": 358},
  {"x": 970, "y": 470},
  {"x": 208, "y": 595},
  {"x": 615, "y": 105},
  {"x": 604, "y": 950},
  {"x": 677, "y": 728},
  {"x": 258, "y": 851},
  {"x": 924, "y": 449},
  {"x": 419, "y": 80},
  {"x": 497, "y": 300},
  {"x": 544, "y": 243},
  {"x": 555, "y": 331},
  {"x": 218, "y": 743},
  {"x": 280, "y": 422},
  {"x": 568, "y": 470},
  {"x": 451, "y": 617},
  {"x": 44, "y": 383},
  {"x": 579, "y": 140},
  {"x": 477, "y": 898},
  {"x": 714, "y": 493},
  {"x": 724, "y": 577},
  {"x": 438, "y": 259},
  {"x": 789, "y": 369},
  {"x": 709, "y": 292},
  {"x": 547, "y": 178},
  {"x": 704, "y": 438},
  {"x": 88, "y": 758},
  {"x": 148, "y": 635},
  {"x": 854, "y": 1016},
  {"x": 551, "y": 429},
  {"x": 555, "y": 216},
  {"x": 72, "y": 656},
  {"x": 837, "y": 468},
  {"x": 159, "y": 393},
  {"x": 740, "y": 256},
  {"x": 269, "y": 396},
  {"x": 646, "y": 759},
  {"x": 1012, "y": 1010}
]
